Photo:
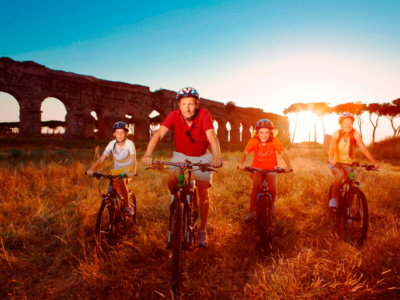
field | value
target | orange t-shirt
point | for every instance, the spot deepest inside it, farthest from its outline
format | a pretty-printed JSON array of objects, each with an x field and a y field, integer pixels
[{"x": 264, "y": 155}]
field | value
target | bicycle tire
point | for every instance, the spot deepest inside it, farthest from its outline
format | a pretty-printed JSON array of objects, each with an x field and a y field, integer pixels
[
  {"x": 177, "y": 247},
  {"x": 104, "y": 229},
  {"x": 132, "y": 204},
  {"x": 355, "y": 217},
  {"x": 194, "y": 208},
  {"x": 264, "y": 222}
]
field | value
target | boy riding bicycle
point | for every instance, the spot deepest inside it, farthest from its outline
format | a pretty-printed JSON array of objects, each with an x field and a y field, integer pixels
[
  {"x": 124, "y": 155},
  {"x": 264, "y": 145}
]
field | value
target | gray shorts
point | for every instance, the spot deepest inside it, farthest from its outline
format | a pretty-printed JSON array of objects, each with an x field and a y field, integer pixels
[
  {"x": 347, "y": 169},
  {"x": 198, "y": 175}
]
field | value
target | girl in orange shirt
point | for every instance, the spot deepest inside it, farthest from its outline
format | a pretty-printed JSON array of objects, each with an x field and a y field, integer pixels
[{"x": 264, "y": 145}]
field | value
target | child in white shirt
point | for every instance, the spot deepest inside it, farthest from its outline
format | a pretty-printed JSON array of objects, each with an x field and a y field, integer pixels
[{"x": 124, "y": 154}]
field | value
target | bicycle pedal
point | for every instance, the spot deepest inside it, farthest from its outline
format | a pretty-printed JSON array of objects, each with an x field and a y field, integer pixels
[{"x": 349, "y": 221}]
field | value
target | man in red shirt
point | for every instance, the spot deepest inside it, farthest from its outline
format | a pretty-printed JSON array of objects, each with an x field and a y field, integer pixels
[{"x": 194, "y": 133}]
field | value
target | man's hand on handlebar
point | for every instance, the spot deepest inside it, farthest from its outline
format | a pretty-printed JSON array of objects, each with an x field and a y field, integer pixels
[
  {"x": 332, "y": 162},
  {"x": 89, "y": 173},
  {"x": 242, "y": 167},
  {"x": 147, "y": 160},
  {"x": 216, "y": 163}
]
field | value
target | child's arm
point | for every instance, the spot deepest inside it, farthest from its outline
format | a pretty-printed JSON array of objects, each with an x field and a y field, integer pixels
[
  {"x": 242, "y": 160},
  {"x": 96, "y": 165},
  {"x": 287, "y": 162}
]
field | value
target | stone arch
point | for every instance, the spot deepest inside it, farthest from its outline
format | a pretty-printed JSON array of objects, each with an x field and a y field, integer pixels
[
  {"x": 155, "y": 122},
  {"x": 101, "y": 133},
  {"x": 245, "y": 133},
  {"x": 29, "y": 112},
  {"x": 52, "y": 109},
  {"x": 222, "y": 131},
  {"x": 130, "y": 121},
  {"x": 234, "y": 132},
  {"x": 9, "y": 113}
]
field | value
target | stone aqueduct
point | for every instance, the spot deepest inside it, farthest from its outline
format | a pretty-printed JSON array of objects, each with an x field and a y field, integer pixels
[{"x": 30, "y": 84}]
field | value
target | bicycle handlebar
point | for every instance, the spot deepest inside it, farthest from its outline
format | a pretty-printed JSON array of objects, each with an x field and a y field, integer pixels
[
  {"x": 357, "y": 165},
  {"x": 254, "y": 170},
  {"x": 160, "y": 165},
  {"x": 121, "y": 176}
]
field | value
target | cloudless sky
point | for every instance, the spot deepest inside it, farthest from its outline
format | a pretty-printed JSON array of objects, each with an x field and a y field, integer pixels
[{"x": 266, "y": 54}]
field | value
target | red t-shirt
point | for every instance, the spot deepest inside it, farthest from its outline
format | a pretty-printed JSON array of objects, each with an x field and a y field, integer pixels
[
  {"x": 264, "y": 155},
  {"x": 201, "y": 123}
]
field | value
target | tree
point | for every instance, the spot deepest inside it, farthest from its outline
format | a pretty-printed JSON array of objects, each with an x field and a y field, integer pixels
[
  {"x": 391, "y": 112},
  {"x": 374, "y": 109},
  {"x": 320, "y": 109},
  {"x": 294, "y": 109},
  {"x": 356, "y": 109}
]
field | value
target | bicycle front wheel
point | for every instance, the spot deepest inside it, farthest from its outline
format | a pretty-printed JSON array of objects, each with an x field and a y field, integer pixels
[
  {"x": 177, "y": 247},
  {"x": 264, "y": 222},
  {"x": 356, "y": 217},
  {"x": 104, "y": 229}
]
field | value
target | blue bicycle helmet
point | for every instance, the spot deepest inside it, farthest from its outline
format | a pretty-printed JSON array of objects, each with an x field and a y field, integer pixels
[
  {"x": 120, "y": 125},
  {"x": 188, "y": 92}
]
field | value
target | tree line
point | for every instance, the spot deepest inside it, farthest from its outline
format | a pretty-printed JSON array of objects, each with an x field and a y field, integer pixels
[{"x": 389, "y": 110}]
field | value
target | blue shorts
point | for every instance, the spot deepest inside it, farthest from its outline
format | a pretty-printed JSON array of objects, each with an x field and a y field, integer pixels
[{"x": 347, "y": 169}]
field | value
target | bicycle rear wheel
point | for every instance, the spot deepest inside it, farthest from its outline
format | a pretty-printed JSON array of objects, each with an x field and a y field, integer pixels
[
  {"x": 264, "y": 222},
  {"x": 104, "y": 229},
  {"x": 356, "y": 217},
  {"x": 177, "y": 247}
]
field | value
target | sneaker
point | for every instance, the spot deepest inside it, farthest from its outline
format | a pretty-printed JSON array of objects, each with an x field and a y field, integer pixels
[
  {"x": 128, "y": 211},
  {"x": 249, "y": 218},
  {"x": 333, "y": 203},
  {"x": 202, "y": 239}
]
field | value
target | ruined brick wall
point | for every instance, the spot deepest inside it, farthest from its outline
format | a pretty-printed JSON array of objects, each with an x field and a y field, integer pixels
[{"x": 30, "y": 84}]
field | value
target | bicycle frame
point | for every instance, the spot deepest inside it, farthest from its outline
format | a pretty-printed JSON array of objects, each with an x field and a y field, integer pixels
[
  {"x": 349, "y": 183},
  {"x": 186, "y": 187},
  {"x": 352, "y": 210},
  {"x": 111, "y": 197}
]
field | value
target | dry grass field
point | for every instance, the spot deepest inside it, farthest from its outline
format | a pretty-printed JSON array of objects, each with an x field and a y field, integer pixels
[{"x": 47, "y": 246}]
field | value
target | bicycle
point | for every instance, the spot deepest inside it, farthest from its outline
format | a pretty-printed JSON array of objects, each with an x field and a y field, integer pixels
[
  {"x": 352, "y": 210},
  {"x": 184, "y": 215},
  {"x": 111, "y": 211},
  {"x": 264, "y": 213}
]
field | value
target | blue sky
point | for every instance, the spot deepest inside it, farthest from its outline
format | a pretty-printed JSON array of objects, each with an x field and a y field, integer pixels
[{"x": 265, "y": 54}]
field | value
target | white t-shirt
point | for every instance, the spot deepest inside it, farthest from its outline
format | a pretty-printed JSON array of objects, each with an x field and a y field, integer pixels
[{"x": 122, "y": 158}]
